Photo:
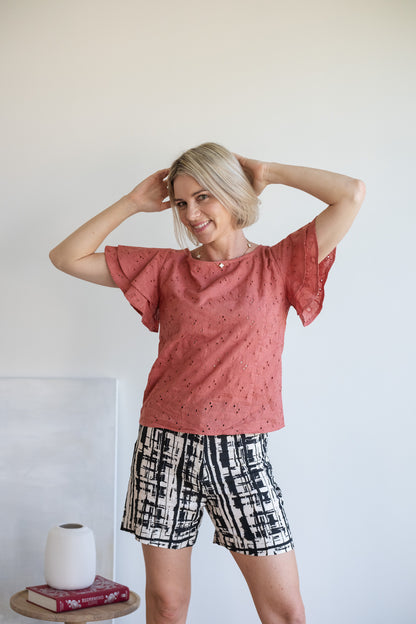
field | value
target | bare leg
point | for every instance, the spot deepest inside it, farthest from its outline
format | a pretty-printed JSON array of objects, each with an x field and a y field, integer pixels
[
  {"x": 168, "y": 584},
  {"x": 273, "y": 581}
]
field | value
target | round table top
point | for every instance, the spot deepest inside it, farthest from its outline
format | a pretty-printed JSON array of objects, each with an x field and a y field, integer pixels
[{"x": 19, "y": 603}]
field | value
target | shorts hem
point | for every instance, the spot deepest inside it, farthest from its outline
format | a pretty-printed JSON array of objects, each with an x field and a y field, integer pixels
[
  {"x": 152, "y": 541},
  {"x": 258, "y": 552}
]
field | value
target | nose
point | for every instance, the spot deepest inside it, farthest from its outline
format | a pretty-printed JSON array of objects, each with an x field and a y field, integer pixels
[{"x": 192, "y": 211}]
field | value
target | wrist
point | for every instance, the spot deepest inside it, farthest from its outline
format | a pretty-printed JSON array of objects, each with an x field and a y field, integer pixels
[
  {"x": 132, "y": 203},
  {"x": 273, "y": 173}
]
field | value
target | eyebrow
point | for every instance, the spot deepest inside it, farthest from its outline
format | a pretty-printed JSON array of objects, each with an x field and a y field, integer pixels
[{"x": 193, "y": 194}]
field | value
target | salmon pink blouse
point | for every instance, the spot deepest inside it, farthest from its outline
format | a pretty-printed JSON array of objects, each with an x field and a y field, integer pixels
[{"x": 221, "y": 329}]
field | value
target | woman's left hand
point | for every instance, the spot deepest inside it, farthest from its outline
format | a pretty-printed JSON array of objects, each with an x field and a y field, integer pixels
[{"x": 256, "y": 171}]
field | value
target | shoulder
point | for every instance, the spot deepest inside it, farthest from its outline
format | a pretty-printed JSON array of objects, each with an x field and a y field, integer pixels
[
  {"x": 296, "y": 239},
  {"x": 130, "y": 260},
  {"x": 140, "y": 254}
]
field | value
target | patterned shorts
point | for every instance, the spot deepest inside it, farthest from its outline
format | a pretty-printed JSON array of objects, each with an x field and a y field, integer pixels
[{"x": 174, "y": 475}]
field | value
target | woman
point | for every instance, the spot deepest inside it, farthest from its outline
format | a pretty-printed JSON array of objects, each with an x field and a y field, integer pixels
[{"x": 214, "y": 391}]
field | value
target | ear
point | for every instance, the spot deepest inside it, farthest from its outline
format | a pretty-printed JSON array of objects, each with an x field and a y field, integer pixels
[{"x": 239, "y": 222}]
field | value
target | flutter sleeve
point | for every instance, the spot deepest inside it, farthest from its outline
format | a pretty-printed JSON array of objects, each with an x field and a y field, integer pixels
[
  {"x": 136, "y": 272},
  {"x": 304, "y": 277}
]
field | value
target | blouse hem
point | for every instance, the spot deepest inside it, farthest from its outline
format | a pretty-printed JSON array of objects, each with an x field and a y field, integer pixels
[{"x": 213, "y": 431}]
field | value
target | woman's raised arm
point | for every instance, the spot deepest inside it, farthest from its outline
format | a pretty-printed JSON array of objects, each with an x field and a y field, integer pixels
[
  {"x": 344, "y": 195},
  {"x": 77, "y": 255}
]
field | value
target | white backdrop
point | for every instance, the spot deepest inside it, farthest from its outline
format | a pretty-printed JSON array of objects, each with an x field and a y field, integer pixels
[{"x": 98, "y": 94}]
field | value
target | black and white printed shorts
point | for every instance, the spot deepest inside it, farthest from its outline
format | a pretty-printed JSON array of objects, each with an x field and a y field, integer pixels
[{"x": 174, "y": 475}]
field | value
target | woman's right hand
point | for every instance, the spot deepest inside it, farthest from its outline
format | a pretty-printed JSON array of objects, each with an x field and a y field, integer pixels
[{"x": 150, "y": 194}]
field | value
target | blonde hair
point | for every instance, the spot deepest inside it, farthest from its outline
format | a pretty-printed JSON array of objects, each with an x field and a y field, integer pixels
[{"x": 220, "y": 173}]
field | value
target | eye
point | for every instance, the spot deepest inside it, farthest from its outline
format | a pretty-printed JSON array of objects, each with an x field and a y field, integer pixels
[
  {"x": 202, "y": 197},
  {"x": 180, "y": 205}
]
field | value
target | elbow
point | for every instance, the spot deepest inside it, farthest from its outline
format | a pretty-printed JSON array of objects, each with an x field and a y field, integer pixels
[
  {"x": 56, "y": 260},
  {"x": 53, "y": 257},
  {"x": 359, "y": 191}
]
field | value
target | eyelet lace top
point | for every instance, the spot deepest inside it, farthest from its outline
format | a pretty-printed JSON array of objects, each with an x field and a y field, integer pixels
[{"x": 218, "y": 369}]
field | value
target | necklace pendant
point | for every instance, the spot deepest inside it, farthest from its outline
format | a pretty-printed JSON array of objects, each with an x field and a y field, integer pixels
[{"x": 221, "y": 265}]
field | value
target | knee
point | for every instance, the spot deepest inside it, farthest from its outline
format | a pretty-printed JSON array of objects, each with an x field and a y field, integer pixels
[
  {"x": 294, "y": 615},
  {"x": 167, "y": 607}
]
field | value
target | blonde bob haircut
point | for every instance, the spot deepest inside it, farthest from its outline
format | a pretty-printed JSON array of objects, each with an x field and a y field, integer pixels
[{"x": 218, "y": 171}]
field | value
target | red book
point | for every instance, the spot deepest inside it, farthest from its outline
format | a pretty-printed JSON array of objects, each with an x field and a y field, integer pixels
[{"x": 101, "y": 592}]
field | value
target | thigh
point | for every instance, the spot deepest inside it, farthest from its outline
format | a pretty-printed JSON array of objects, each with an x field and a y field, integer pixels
[
  {"x": 168, "y": 571},
  {"x": 168, "y": 584},
  {"x": 273, "y": 581}
]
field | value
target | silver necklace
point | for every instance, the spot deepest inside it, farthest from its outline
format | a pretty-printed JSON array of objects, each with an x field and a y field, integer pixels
[{"x": 221, "y": 264}]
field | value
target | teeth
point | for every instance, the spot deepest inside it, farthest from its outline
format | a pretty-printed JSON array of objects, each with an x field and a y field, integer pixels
[{"x": 202, "y": 225}]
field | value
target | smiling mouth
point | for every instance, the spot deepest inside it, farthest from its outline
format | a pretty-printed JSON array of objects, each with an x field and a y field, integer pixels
[{"x": 201, "y": 226}]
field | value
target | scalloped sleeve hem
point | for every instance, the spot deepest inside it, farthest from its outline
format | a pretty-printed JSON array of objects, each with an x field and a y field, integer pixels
[
  {"x": 306, "y": 290},
  {"x": 135, "y": 272}
]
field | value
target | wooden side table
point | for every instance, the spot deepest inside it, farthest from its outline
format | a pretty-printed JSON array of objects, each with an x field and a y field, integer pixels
[{"x": 19, "y": 603}]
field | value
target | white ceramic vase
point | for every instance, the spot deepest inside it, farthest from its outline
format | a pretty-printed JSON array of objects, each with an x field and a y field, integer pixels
[{"x": 70, "y": 557}]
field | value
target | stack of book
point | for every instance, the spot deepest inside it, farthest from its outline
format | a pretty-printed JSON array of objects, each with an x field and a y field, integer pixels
[{"x": 101, "y": 592}]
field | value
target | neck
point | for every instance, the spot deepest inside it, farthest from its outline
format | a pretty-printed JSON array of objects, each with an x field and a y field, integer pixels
[{"x": 233, "y": 247}]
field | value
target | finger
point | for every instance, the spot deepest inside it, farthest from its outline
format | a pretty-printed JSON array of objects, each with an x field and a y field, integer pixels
[
  {"x": 162, "y": 173},
  {"x": 159, "y": 175},
  {"x": 244, "y": 165}
]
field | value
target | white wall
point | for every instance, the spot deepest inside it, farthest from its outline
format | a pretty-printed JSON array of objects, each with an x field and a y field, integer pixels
[{"x": 99, "y": 93}]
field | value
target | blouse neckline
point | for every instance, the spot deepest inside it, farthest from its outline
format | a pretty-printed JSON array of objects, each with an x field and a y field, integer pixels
[{"x": 224, "y": 262}]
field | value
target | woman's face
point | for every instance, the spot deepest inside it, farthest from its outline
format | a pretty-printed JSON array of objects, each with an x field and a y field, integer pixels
[{"x": 200, "y": 212}]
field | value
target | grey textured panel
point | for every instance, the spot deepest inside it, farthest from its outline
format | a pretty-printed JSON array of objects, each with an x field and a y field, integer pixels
[{"x": 57, "y": 464}]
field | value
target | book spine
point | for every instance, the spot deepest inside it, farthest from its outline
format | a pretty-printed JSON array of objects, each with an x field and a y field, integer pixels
[{"x": 90, "y": 601}]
